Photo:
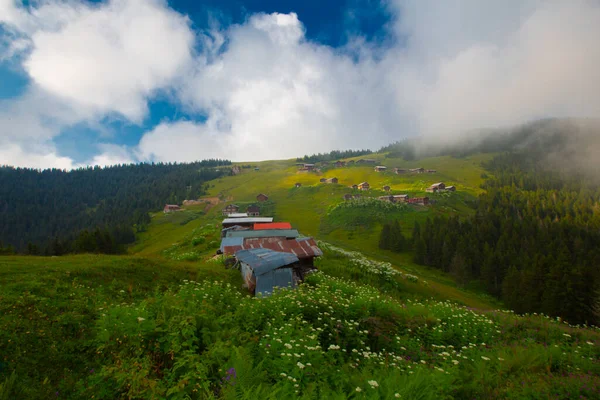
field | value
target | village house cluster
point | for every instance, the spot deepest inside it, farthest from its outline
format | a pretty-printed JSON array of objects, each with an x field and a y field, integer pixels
[{"x": 268, "y": 254}]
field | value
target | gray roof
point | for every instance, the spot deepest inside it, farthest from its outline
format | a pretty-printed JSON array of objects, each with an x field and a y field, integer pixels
[
  {"x": 288, "y": 233},
  {"x": 263, "y": 261},
  {"x": 231, "y": 241},
  {"x": 249, "y": 220},
  {"x": 238, "y": 215}
]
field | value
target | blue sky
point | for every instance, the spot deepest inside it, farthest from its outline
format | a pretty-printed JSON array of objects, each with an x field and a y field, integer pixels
[{"x": 114, "y": 81}]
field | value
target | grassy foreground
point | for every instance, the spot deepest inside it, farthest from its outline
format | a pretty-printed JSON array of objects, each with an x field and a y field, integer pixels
[{"x": 126, "y": 327}]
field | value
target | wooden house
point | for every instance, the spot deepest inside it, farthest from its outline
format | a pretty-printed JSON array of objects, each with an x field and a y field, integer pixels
[
  {"x": 417, "y": 170},
  {"x": 450, "y": 189},
  {"x": 340, "y": 164},
  {"x": 400, "y": 198},
  {"x": 230, "y": 209},
  {"x": 399, "y": 171},
  {"x": 332, "y": 180},
  {"x": 387, "y": 188},
  {"x": 262, "y": 197},
  {"x": 355, "y": 187},
  {"x": 253, "y": 211},
  {"x": 387, "y": 198},
  {"x": 298, "y": 184},
  {"x": 364, "y": 186},
  {"x": 380, "y": 168},
  {"x": 171, "y": 208},
  {"x": 436, "y": 187}
]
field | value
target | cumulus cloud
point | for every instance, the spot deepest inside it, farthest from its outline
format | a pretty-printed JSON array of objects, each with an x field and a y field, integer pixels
[
  {"x": 15, "y": 155},
  {"x": 456, "y": 67},
  {"x": 265, "y": 91},
  {"x": 94, "y": 60}
]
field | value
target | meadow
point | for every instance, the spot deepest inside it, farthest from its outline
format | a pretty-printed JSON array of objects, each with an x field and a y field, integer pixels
[
  {"x": 170, "y": 321},
  {"x": 124, "y": 327}
]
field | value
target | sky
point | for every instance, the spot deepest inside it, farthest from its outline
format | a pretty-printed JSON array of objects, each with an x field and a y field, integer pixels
[{"x": 120, "y": 81}]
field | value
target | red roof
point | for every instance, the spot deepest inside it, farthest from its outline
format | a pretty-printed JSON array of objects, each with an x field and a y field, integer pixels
[
  {"x": 301, "y": 247},
  {"x": 272, "y": 225}
]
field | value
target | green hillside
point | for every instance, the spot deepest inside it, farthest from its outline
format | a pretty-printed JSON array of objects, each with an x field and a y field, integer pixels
[
  {"x": 311, "y": 208},
  {"x": 170, "y": 321}
]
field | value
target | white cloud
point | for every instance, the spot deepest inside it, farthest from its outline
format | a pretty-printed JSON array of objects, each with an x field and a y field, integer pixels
[
  {"x": 180, "y": 141},
  {"x": 111, "y": 155},
  {"x": 460, "y": 66},
  {"x": 15, "y": 155},
  {"x": 268, "y": 92},
  {"x": 89, "y": 61}
]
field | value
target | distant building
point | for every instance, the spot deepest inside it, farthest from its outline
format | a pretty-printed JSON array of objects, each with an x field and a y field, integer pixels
[
  {"x": 387, "y": 188},
  {"x": 253, "y": 211},
  {"x": 399, "y": 171},
  {"x": 400, "y": 198},
  {"x": 262, "y": 197},
  {"x": 364, "y": 186},
  {"x": 235, "y": 170},
  {"x": 339, "y": 164},
  {"x": 450, "y": 189},
  {"x": 298, "y": 184},
  {"x": 230, "y": 209},
  {"x": 417, "y": 170},
  {"x": 237, "y": 215},
  {"x": 171, "y": 208},
  {"x": 386, "y": 198},
  {"x": 431, "y": 171},
  {"x": 347, "y": 196},
  {"x": 436, "y": 187},
  {"x": 307, "y": 167},
  {"x": 354, "y": 186},
  {"x": 323, "y": 180},
  {"x": 332, "y": 180},
  {"x": 380, "y": 168}
]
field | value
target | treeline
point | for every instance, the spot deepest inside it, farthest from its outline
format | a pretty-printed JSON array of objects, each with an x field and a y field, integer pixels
[
  {"x": 393, "y": 239},
  {"x": 333, "y": 155},
  {"x": 48, "y": 212},
  {"x": 534, "y": 241}
]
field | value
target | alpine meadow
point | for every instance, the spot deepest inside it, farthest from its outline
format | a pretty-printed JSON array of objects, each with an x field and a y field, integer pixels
[
  {"x": 486, "y": 291},
  {"x": 342, "y": 199}
]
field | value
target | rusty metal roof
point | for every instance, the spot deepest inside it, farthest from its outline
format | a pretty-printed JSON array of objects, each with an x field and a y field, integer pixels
[{"x": 301, "y": 247}]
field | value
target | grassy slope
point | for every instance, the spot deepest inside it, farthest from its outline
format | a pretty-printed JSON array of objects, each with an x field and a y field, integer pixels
[
  {"x": 306, "y": 208},
  {"x": 55, "y": 303}
]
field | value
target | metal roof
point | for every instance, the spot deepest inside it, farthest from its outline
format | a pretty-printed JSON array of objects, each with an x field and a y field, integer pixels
[
  {"x": 273, "y": 225},
  {"x": 263, "y": 261},
  {"x": 301, "y": 247},
  {"x": 248, "y": 220},
  {"x": 287, "y": 233},
  {"x": 237, "y": 215},
  {"x": 231, "y": 241}
]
